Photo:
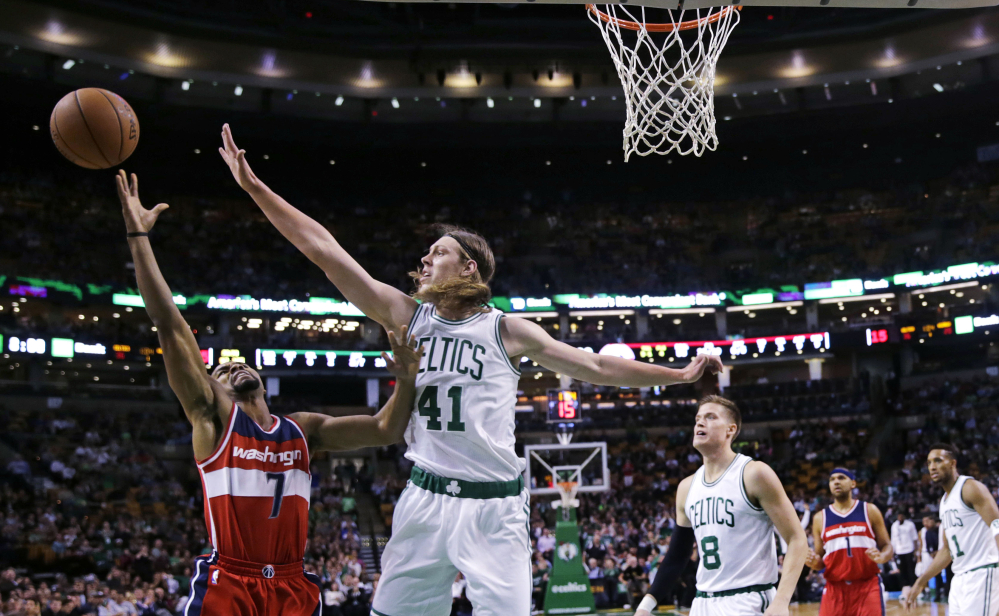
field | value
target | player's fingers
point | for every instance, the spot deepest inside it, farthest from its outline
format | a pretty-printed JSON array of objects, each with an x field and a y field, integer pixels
[
  {"x": 160, "y": 208},
  {"x": 120, "y": 186},
  {"x": 392, "y": 339},
  {"x": 135, "y": 185}
]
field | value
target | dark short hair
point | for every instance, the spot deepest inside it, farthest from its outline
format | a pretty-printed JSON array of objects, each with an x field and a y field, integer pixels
[
  {"x": 948, "y": 448},
  {"x": 733, "y": 411}
]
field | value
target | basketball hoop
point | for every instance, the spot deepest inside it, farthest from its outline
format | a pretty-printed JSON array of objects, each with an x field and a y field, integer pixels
[
  {"x": 668, "y": 80},
  {"x": 567, "y": 495}
]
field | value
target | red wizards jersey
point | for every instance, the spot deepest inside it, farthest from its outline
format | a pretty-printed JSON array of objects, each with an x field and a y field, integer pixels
[
  {"x": 846, "y": 539},
  {"x": 257, "y": 486}
]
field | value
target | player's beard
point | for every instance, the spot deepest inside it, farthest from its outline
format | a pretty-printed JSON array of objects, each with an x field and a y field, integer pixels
[
  {"x": 247, "y": 385},
  {"x": 456, "y": 294}
]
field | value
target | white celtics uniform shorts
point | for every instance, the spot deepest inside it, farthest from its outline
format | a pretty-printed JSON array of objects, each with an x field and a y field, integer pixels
[
  {"x": 442, "y": 526},
  {"x": 750, "y": 601},
  {"x": 975, "y": 593}
]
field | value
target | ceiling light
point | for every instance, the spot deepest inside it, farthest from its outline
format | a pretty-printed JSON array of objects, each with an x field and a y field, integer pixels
[
  {"x": 537, "y": 103},
  {"x": 490, "y": 103},
  {"x": 338, "y": 101},
  {"x": 238, "y": 91},
  {"x": 395, "y": 103},
  {"x": 68, "y": 64},
  {"x": 185, "y": 85}
]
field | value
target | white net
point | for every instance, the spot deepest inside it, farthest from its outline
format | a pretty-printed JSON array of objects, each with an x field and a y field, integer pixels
[{"x": 668, "y": 73}]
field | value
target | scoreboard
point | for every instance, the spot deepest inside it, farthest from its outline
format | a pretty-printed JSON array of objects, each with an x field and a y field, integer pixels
[{"x": 563, "y": 406}]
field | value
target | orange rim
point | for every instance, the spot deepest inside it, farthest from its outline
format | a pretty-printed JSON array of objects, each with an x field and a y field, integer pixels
[
  {"x": 568, "y": 485},
  {"x": 683, "y": 25}
]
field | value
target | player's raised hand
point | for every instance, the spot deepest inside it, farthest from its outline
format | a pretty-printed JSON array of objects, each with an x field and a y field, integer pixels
[
  {"x": 137, "y": 218},
  {"x": 404, "y": 362},
  {"x": 696, "y": 368},
  {"x": 236, "y": 159}
]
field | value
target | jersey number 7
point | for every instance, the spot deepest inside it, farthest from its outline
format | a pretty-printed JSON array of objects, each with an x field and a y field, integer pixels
[{"x": 278, "y": 479}]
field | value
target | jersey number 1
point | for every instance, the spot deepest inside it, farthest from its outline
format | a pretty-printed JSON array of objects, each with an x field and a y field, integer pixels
[{"x": 428, "y": 408}]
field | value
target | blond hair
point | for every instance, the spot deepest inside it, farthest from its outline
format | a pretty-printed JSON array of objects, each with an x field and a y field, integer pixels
[{"x": 461, "y": 293}]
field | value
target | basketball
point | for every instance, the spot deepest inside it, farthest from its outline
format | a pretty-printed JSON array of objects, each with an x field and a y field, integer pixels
[{"x": 94, "y": 128}]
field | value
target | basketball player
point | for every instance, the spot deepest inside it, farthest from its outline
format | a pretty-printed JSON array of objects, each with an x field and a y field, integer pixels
[
  {"x": 466, "y": 508},
  {"x": 851, "y": 542},
  {"x": 969, "y": 524},
  {"x": 254, "y": 465},
  {"x": 731, "y": 506}
]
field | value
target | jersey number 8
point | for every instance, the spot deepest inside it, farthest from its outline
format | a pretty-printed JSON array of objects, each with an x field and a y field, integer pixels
[{"x": 709, "y": 553}]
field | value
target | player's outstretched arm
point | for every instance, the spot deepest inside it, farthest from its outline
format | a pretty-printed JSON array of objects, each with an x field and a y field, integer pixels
[
  {"x": 206, "y": 407},
  {"x": 681, "y": 546},
  {"x": 385, "y": 304},
  {"x": 884, "y": 552},
  {"x": 938, "y": 564},
  {"x": 815, "y": 555},
  {"x": 388, "y": 425},
  {"x": 524, "y": 338},
  {"x": 763, "y": 485}
]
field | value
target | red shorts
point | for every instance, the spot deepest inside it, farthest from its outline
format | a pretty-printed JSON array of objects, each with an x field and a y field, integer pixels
[
  {"x": 863, "y": 598},
  {"x": 224, "y": 586}
]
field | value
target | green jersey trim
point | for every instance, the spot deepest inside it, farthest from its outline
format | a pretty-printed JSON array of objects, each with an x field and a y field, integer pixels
[
  {"x": 734, "y": 591},
  {"x": 459, "y": 488},
  {"x": 704, "y": 473},
  {"x": 416, "y": 313},
  {"x": 499, "y": 341},
  {"x": 437, "y": 317},
  {"x": 742, "y": 488}
]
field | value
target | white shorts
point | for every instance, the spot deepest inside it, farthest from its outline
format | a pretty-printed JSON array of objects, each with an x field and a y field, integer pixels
[
  {"x": 743, "y": 604},
  {"x": 434, "y": 536},
  {"x": 975, "y": 593}
]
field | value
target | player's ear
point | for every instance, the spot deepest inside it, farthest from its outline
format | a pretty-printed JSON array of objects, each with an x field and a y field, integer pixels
[{"x": 470, "y": 268}]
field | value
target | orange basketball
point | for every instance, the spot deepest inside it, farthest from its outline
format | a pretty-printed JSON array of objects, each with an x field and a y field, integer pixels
[{"x": 94, "y": 128}]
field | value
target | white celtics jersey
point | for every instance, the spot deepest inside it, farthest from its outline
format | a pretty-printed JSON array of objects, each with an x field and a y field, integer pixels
[
  {"x": 735, "y": 539},
  {"x": 466, "y": 391},
  {"x": 971, "y": 542}
]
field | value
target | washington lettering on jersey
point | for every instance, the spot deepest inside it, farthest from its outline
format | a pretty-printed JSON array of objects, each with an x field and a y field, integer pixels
[
  {"x": 257, "y": 488},
  {"x": 452, "y": 354},
  {"x": 846, "y": 537},
  {"x": 712, "y": 510},
  {"x": 286, "y": 457}
]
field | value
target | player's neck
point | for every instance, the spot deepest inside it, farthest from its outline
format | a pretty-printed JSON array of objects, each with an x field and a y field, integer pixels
[
  {"x": 716, "y": 461},
  {"x": 845, "y": 505},
  {"x": 257, "y": 409},
  {"x": 454, "y": 315},
  {"x": 949, "y": 483}
]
